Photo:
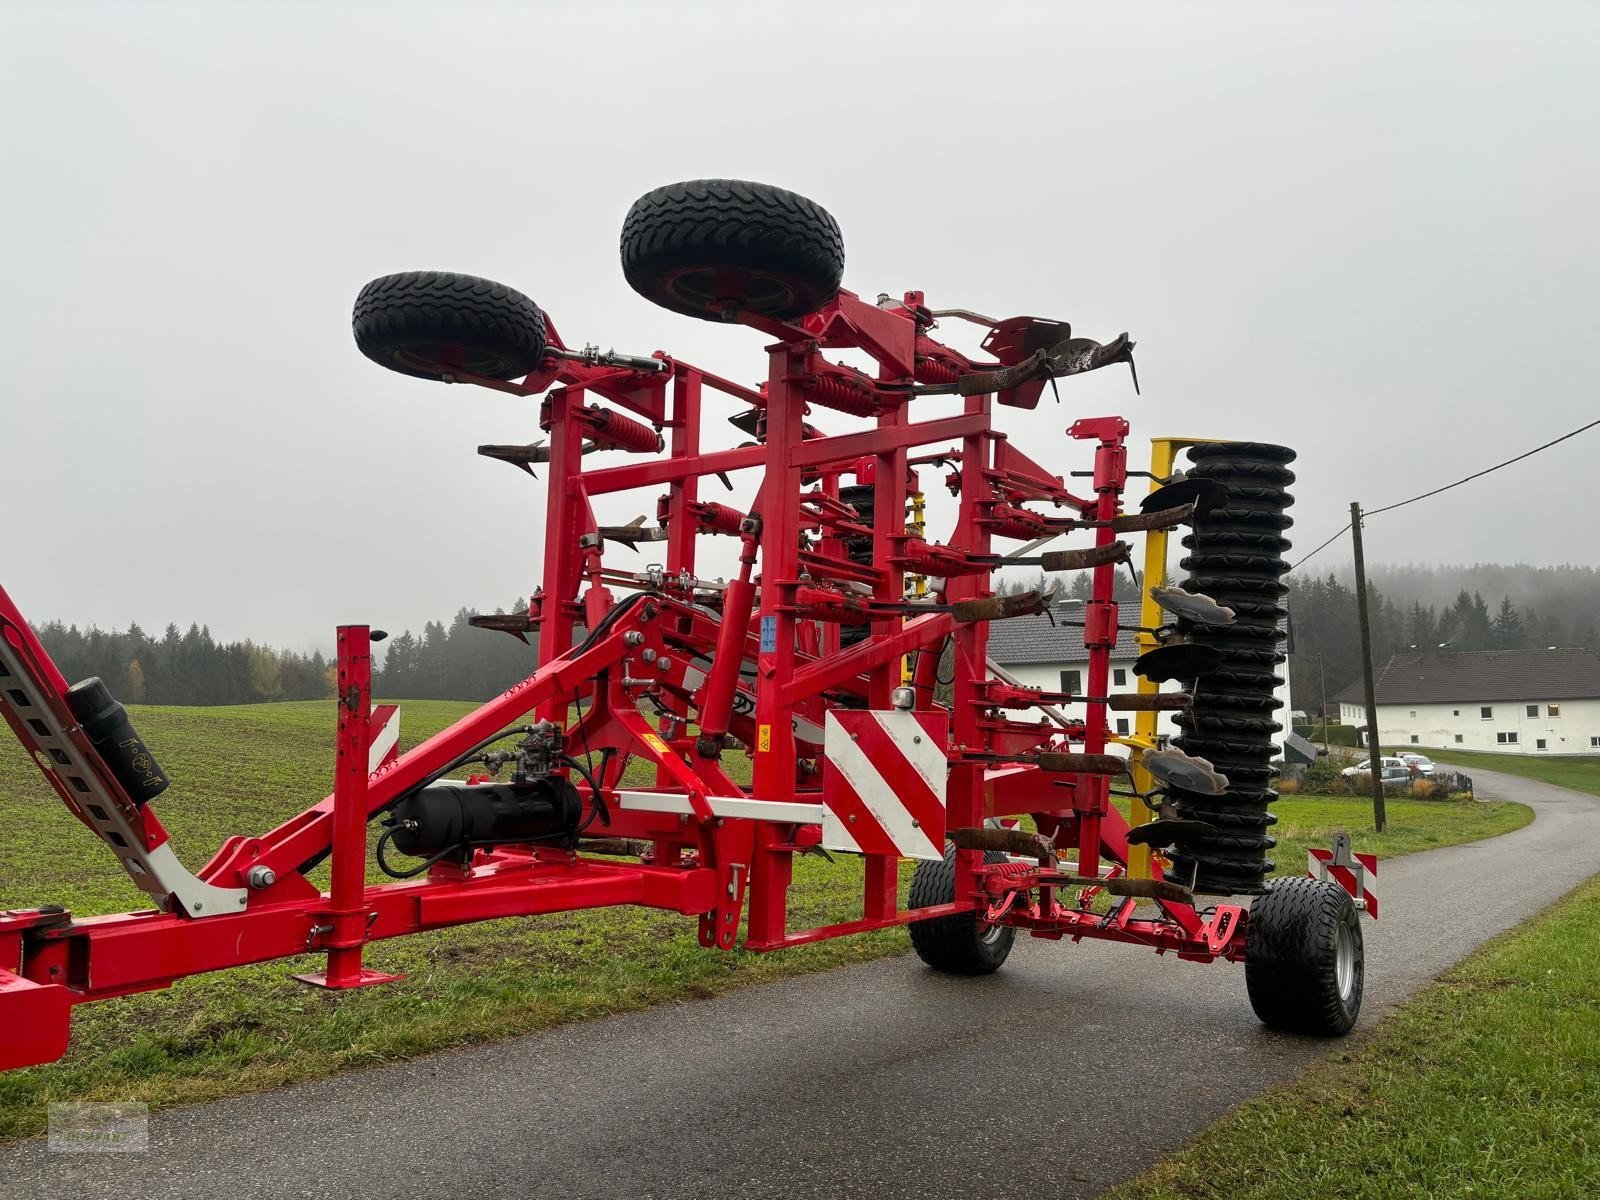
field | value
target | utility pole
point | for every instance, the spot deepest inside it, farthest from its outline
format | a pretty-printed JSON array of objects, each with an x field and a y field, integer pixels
[
  {"x": 1322, "y": 676},
  {"x": 1374, "y": 746}
]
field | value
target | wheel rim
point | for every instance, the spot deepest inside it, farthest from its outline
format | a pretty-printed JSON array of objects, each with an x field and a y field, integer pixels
[
  {"x": 437, "y": 358},
  {"x": 759, "y": 293},
  {"x": 1344, "y": 961},
  {"x": 990, "y": 934}
]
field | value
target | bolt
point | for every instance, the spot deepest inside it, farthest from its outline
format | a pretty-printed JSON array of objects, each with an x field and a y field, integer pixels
[
  {"x": 916, "y": 739},
  {"x": 663, "y": 663},
  {"x": 261, "y": 877},
  {"x": 632, "y": 638},
  {"x": 649, "y": 656}
]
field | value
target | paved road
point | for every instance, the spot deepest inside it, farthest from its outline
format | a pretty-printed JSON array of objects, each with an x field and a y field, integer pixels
[{"x": 1075, "y": 1064}]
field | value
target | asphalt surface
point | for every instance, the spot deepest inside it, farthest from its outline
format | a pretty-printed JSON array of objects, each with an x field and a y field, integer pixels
[{"x": 1067, "y": 1072}]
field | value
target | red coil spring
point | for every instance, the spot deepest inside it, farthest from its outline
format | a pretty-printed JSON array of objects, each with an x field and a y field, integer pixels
[
  {"x": 718, "y": 518},
  {"x": 832, "y": 392},
  {"x": 613, "y": 431},
  {"x": 933, "y": 370}
]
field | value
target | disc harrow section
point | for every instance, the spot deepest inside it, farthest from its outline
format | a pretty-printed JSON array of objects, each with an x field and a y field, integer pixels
[{"x": 1236, "y": 557}]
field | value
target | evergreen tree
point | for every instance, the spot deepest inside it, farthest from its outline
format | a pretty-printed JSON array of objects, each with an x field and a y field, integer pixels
[{"x": 1506, "y": 631}]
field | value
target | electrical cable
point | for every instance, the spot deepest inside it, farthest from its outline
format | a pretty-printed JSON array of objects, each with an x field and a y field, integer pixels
[{"x": 1464, "y": 479}]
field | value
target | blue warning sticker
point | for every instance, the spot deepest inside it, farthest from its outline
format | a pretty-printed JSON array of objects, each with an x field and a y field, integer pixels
[{"x": 769, "y": 635}]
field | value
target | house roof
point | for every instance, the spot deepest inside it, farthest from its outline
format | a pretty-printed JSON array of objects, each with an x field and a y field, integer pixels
[
  {"x": 1024, "y": 640},
  {"x": 1485, "y": 675}
]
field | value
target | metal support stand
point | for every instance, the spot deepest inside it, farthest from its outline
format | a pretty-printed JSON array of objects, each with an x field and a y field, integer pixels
[{"x": 342, "y": 930}]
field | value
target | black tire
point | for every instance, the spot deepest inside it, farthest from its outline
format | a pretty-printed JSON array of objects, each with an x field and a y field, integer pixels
[
  {"x": 958, "y": 944},
  {"x": 431, "y": 324},
  {"x": 1296, "y": 936},
  {"x": 710, "y": 248}
]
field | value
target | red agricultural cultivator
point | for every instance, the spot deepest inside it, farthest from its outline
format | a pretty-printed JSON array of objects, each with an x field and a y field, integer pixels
[{"x": 844, "y": 662}]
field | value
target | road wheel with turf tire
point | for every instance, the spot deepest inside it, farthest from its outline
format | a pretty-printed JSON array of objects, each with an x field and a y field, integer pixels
[
  {"x": 432, "y": 324},
  {"x": 1304, "y": 961},
  {"x": 960, "y": 944},
  {"x": 710, "y": 248}
]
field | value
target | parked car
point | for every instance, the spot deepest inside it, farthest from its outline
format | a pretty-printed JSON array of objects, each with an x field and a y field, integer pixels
[
  {"x": 1365, "y": 766},
  {"x": 1422, "y": 764}
]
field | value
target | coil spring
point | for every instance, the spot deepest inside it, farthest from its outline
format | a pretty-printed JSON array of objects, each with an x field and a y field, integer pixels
[
  {"x": 935, "y": 370},
  {"x": 832, "y": 392},
  {"x": 613, "y": 431},
  {"x": 718, "y": 518}
]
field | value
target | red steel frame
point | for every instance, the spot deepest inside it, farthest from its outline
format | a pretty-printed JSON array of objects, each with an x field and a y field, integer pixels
[{"x": 721, "y": 857}]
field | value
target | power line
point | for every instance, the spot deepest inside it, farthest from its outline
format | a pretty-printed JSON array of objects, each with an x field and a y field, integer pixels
[
  {"x": 1465, "y": 479},
  {"x": 1325, "y": 544},
  {"x": 1480, "y": 474}
]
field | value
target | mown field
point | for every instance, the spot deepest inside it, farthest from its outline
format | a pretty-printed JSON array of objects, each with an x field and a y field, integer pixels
[{"x": 240, "y": 770}]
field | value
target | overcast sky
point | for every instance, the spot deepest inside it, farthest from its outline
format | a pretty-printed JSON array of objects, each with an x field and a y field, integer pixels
[{"x": 1369, "y": 233}]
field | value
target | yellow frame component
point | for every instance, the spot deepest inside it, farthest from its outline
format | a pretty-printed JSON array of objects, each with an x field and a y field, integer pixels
[{"x": 1163, "y": 456}]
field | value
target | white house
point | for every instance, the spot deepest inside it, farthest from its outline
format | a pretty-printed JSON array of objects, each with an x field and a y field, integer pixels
[
  {"x": 1510, "y": 701},
  {"x": 1053, "y": 657}
]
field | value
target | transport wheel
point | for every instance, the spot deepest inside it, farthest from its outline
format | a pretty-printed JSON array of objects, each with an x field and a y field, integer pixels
[
  {"x": 961, "y": 944},
  {"x": 435, "y": 323},
  {"x": 1304, "y": 960},
  {"x": 710, "y": 248}
]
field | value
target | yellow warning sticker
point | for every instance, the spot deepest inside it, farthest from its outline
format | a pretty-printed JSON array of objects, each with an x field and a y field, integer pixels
[
  {"x": 763, "y": 737},
  {"x": 655, "y": 744}
]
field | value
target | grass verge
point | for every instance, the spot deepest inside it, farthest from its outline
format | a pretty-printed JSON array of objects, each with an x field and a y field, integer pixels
[
  {"x": 1486, "y": 1084},
  {"x": 244, "y": 769}
]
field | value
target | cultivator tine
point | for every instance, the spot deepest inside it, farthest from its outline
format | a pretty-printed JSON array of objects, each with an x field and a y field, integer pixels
[
  {"x": 1149, "y": 889},
  {"x": 1162, "y": 519},
  {"x": 996, "y": 608},
  {"x": 1174, "y": 768},
  {"x": 1075, "y": 356},
  {"x": 1192, "y": 606},
  {"x": 516, "y": 624},
  {"x": 634, "y": 532},
  {"x": 1084, "y": 764},
  {"x": 1169, "y": 832},
  {"x": 1086, "y": 557},
  {"x": 1006, "y": 841},
  {"x": 522, "y": 457},
  {"x": 1149, "y": 701}
]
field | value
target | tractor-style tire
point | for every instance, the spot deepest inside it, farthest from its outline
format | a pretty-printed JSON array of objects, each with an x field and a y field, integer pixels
[
  {"x": 1304, "y": 962},
  {"x": 711, "y": 248},
  {"x": 959, "y": 944},
  {"x": 433, "y": 324}
]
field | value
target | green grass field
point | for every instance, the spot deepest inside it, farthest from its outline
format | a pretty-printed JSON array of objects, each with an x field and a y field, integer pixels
[
  {"x": 241, "y": 770},
  {"x": 1486, "y": 1084}
]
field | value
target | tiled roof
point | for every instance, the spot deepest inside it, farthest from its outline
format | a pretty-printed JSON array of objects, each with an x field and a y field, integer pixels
[
  {"x": 1024, "y": 640},
  {"x": 1485, "y": 675}
]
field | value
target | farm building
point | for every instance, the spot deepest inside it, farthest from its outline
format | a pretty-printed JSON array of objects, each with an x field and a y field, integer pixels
[
  {"x": 1510, "y": 701},
  {"x": 1043, "y": 655}
]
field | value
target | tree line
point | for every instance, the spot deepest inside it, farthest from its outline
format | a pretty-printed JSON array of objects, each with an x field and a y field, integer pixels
[
  {"x": 454, "y": 662},
  {"x": 185, "y": 668}
]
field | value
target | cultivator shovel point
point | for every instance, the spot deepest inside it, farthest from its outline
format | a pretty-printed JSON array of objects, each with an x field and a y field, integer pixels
[{"x": 604, "y": 778}]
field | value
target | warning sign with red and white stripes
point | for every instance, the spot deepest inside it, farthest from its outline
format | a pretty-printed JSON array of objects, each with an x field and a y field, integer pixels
[
  {"x": 1325, "y": 864},
  {"x": 883, "y": 782}
]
